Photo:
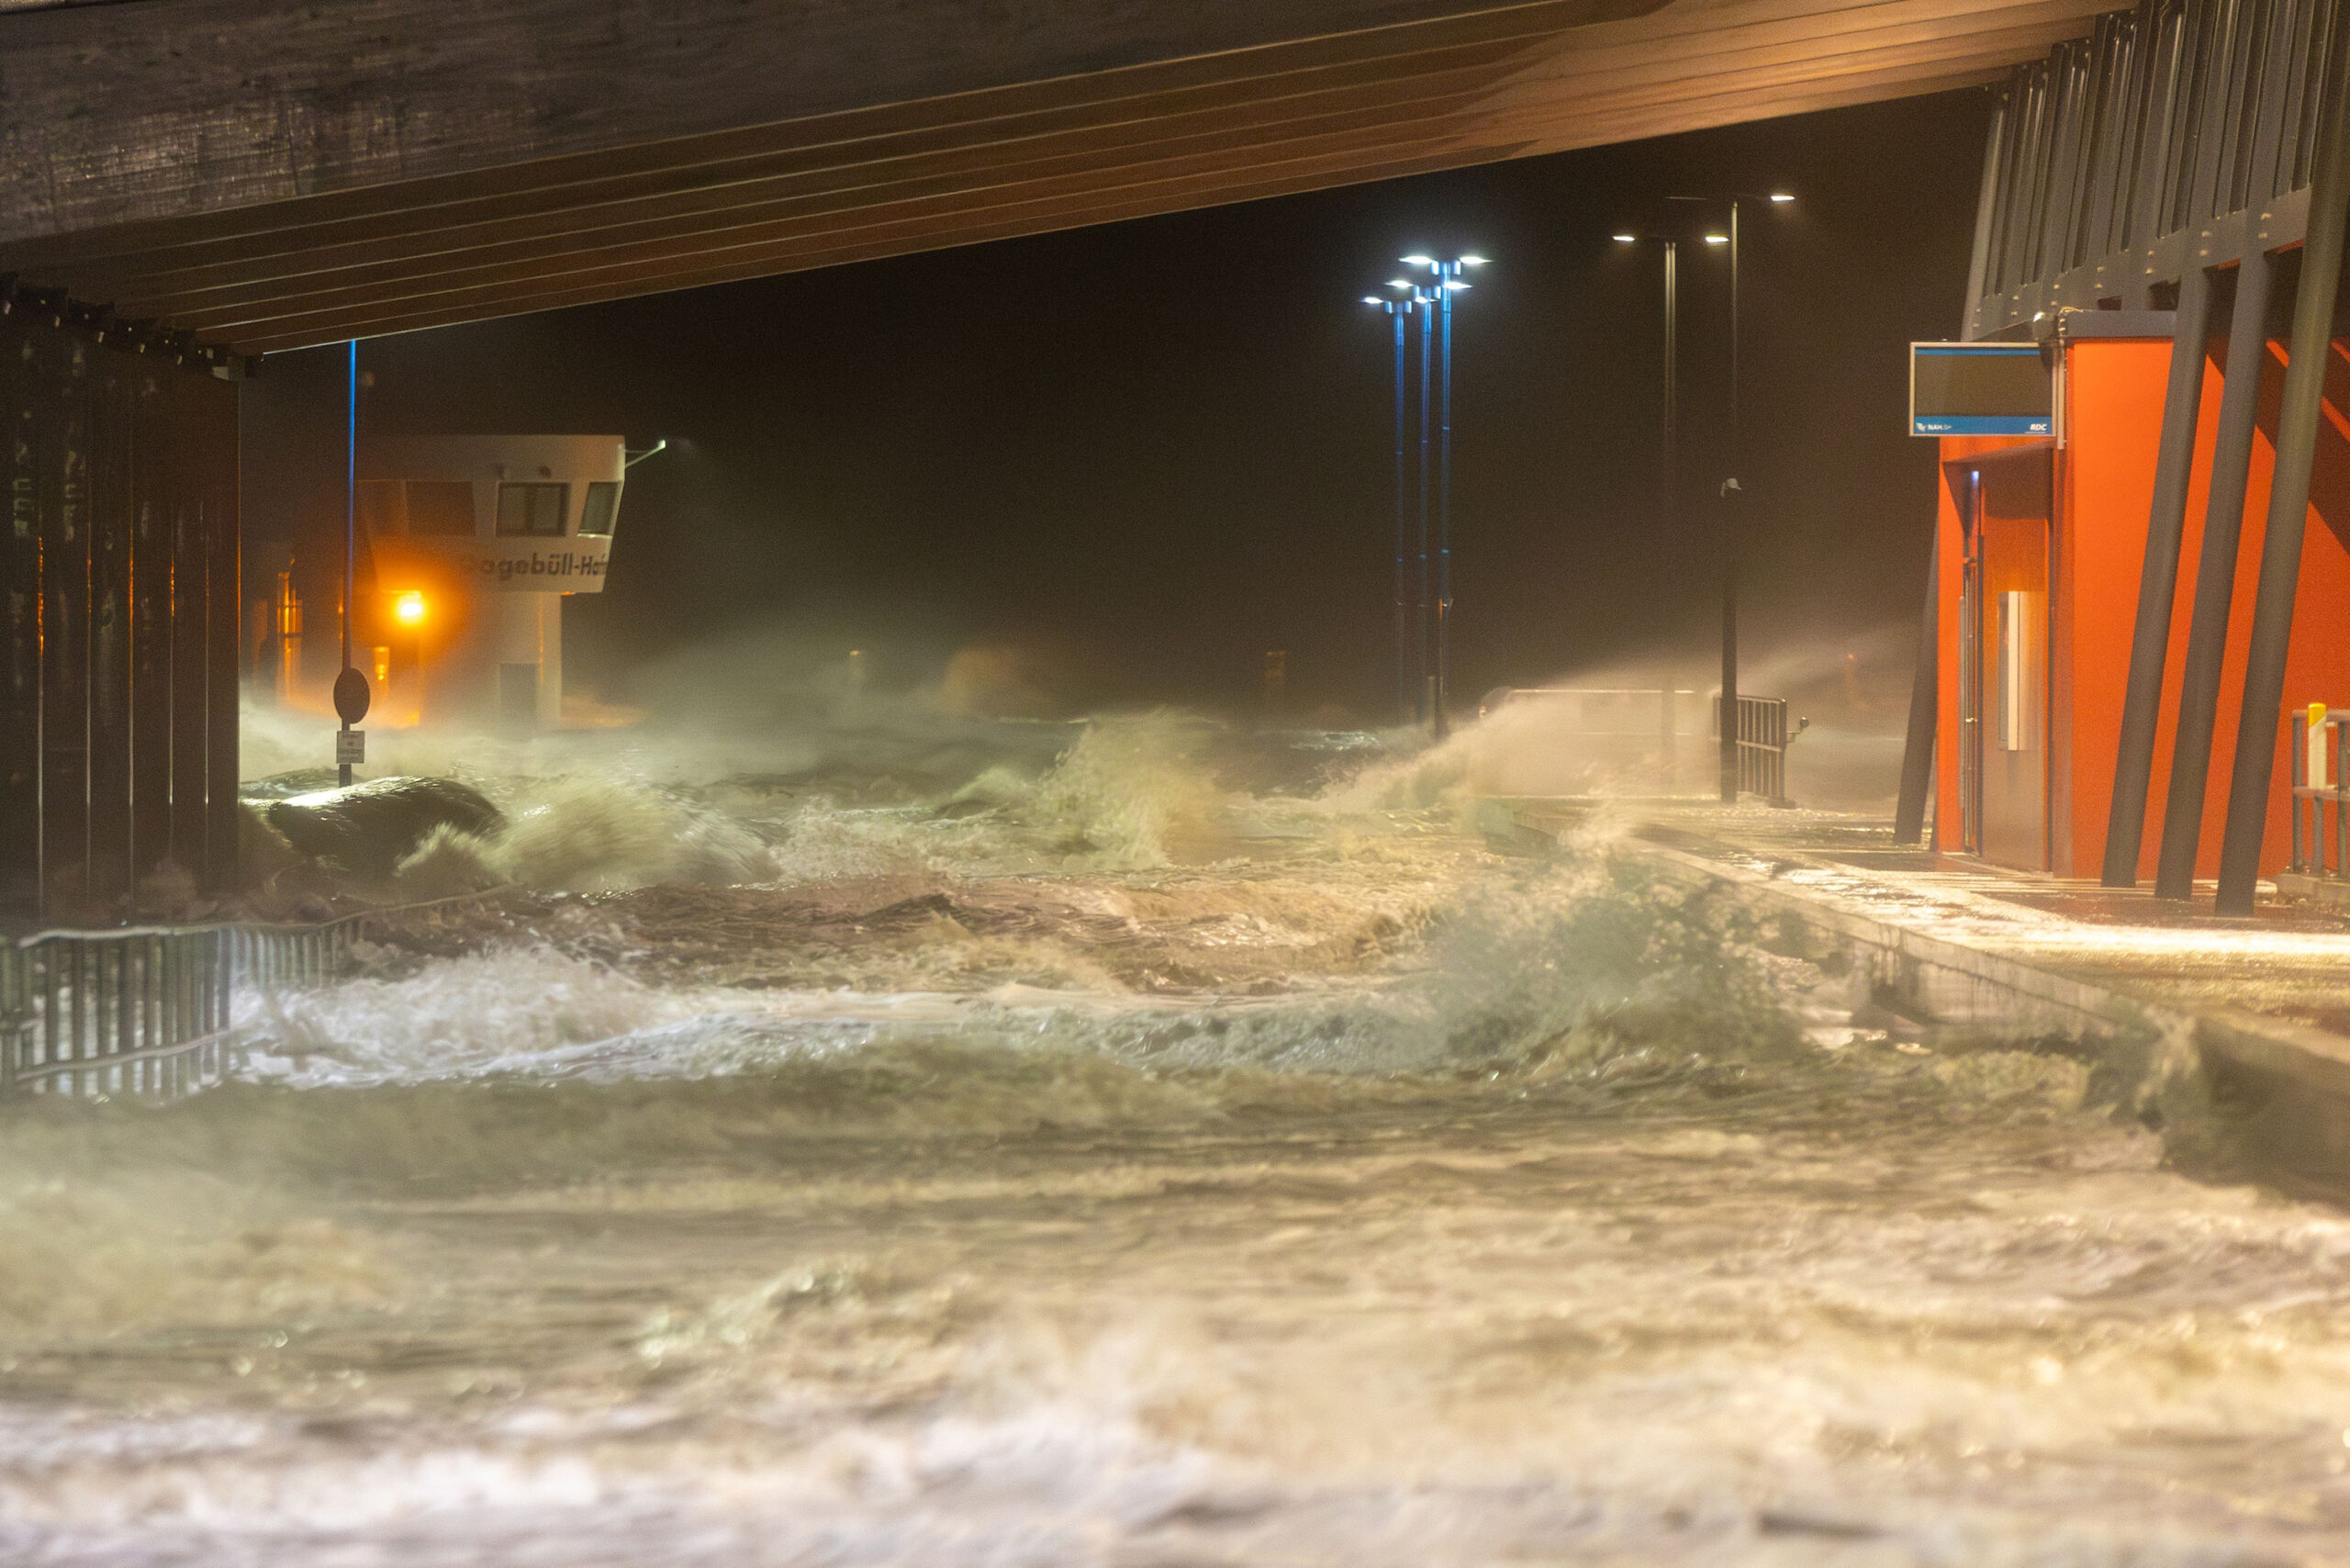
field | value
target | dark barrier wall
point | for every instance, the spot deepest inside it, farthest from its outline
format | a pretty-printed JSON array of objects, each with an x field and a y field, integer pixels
[{"x": 118, "y": 650}]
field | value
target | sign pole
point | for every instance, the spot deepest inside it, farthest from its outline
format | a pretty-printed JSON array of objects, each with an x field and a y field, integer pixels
[{"x": 350, "y": 693}]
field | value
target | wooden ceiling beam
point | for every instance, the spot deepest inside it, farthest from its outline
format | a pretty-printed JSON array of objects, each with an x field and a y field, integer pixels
[
  {"x": 391, "y": 212},
  {"x": 1181, "y": 181},
  {"x": 606, "y": 209},
  {"x": 188, "y": 297},
  {"x": 244, "y": 310},
  {"x": 837, "y": 187},
  {"x": 1715, "y": 110},
  {"x": 865, "y": 248},
  {"x": 161, "y": 281},
  {"x": 1583, "y": 64},
  {"x": 1078, "y": 97},
  {"x": 1725, "y": 111},
  {"x": 1563, "y": 105},
  {"x": 932, "y": 229}
]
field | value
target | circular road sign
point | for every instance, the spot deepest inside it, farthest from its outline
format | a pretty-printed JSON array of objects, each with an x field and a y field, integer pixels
[{"x": 350, "y": 695}]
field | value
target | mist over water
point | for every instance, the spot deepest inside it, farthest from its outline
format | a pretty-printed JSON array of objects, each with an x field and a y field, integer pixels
[{"x": 918, "y": 1139}]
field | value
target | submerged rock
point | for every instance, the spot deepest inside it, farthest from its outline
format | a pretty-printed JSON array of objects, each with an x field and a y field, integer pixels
[
  {"x": 370, "y": 828},
  {"x": 296, "y": 781}
]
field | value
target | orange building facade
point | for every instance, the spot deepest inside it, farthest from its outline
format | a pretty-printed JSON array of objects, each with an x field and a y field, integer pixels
[{"x": 2040, "y": 549}]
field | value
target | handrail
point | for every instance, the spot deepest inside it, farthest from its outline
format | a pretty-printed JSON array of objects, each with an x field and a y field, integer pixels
[
  {"x": 2318, "y": 851},
  {"x": 1647, "y": 718},
  {"x": 148, "y": 1011},
  {"x": 1763, "y": 737},
  {"x": 95, "y": 933}
]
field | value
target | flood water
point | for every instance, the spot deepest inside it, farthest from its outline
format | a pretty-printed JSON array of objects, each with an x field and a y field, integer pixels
[{"x": 1131, "y": 1159}]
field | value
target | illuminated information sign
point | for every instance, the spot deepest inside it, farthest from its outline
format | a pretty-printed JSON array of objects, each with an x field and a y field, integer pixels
[{"x": 1980, "y": 389}]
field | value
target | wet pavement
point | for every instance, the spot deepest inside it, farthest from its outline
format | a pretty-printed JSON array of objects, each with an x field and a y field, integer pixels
[{"x": 2290, "y": 960}]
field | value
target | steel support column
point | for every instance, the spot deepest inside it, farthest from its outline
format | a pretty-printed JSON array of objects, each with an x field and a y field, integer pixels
[
  {"x": 2134, "y": 765},
  {"x": 2215, "y": 579},
  {"x": 63, "y": 365},
  {"x": 1925, "y": 692},
  {"x": 19, "y": 643},
  {"x": 111, "y": 504},
  {"x": 118, "y": 678},
  {"x": 2288, "y": 495},
  {"x": 187, "y": 610},
  {"x": 223, "y": 599},
  {"x": 152, "y": 459}
]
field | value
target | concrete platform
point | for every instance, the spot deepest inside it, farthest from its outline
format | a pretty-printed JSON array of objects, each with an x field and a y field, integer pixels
[{"x": 2256, "y": 1011}]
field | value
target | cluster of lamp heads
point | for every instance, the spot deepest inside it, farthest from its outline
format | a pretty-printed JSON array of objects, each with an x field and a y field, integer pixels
[
  {"x": 1444, "y": 278},
  {"x": 1778, "y": 198},
  {"x": 1445, "y": 273}
]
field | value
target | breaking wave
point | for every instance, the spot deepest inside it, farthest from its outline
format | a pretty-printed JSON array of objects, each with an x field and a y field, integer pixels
[
  {"x": 1092, "y": 1154},
  {"x": 1568, "y": 986},
  {"x": 1125, "y": 793}
]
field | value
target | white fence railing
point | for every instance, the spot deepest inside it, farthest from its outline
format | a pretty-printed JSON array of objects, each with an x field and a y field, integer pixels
[{"x": 147, "y": 1012}]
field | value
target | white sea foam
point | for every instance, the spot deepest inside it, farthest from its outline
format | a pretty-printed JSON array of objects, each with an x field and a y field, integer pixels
[{"x": 1468, "y": 1213}]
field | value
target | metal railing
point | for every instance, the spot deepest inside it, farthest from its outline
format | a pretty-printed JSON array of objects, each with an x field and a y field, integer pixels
[
  {"x": 1763, "y": 738},
  {"x": 2321, "y": 793},
  {"x": 141, "y": 1013},
  {"x": 146, "y": 1012},
  {"x": 1604, "y": 738},
  {"x": 1622, "y": 735}
]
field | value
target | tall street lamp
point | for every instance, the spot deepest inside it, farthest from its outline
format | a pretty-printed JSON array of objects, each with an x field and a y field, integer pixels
[
  {"x": 1424, "y": 695},
  {"x": 1445, "y": 281},
  {"x": 1730, "y": 487},
  {"x": 1669, "y": 479},
  {"x": 1421, "y": 302},
  {"x": 1406, "y": 676},
  {"x": 1671, "y": 249}
]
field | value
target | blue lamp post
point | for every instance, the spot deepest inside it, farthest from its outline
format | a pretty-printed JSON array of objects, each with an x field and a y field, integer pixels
[
  {"x": 1445, "y": 281},
  {"x": 1415, "y": 680},
  {"x": 1406, "y": 676}
]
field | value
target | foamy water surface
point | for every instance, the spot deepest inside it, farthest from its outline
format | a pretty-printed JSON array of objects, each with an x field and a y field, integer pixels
[{"x": 1179, "y": 1176}]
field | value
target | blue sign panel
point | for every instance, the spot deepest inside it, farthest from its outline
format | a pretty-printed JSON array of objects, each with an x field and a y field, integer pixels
[
  {"x": 1979, "y": 424},
  {"x": 1980, "y": 389}
]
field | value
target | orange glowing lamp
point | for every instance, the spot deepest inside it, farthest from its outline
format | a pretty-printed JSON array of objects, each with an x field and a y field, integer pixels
[{"x": 409, "y": 608}]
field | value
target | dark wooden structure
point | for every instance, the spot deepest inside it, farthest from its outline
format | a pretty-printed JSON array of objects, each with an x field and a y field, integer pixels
[
  {"x": 118, "y": 609},
  {"x": 280, "y": 173}
]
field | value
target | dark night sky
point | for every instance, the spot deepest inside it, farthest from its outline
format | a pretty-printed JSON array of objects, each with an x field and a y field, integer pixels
[{"x": 1148, "y": 451}]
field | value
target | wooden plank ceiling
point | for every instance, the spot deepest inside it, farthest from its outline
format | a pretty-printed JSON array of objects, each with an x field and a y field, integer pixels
[{"x": 267, "y": 175}]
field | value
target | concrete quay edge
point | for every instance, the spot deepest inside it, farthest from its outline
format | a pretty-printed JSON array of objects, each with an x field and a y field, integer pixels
[{"x": 2300, "y": 1072}]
